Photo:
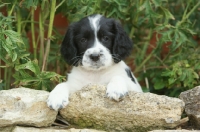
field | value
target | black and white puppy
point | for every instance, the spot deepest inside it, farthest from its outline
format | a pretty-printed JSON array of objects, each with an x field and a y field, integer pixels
[{"x": 95, "y": 46}]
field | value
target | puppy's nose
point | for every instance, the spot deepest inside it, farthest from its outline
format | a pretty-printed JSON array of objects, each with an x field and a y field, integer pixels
[{"x": 95, "y": 57}]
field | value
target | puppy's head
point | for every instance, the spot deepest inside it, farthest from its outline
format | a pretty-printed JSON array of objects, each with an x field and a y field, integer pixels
[{"x": 95, "y": 42}]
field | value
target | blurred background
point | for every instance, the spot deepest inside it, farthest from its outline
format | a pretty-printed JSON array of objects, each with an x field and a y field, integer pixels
[{"x": 166, "y": 36}]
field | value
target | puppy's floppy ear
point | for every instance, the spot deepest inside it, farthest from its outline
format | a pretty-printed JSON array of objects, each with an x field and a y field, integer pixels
[
  {"x": 68, "y": 49},
  {"x": 122, "y": 43}
]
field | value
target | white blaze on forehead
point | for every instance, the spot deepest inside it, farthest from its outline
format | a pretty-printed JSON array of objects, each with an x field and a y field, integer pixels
[{"x": 94, "y": 22}]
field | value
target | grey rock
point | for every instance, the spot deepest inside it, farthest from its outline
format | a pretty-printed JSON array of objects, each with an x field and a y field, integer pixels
[
  {"x": 183, "y": 130},
  {"x": 32, "y": 129},
  {"x": 90, "y": 107},
  {"x": 192, "y": 105},
  {"x": 23, "y": 106},
  {"x": 6, "y": 129}
]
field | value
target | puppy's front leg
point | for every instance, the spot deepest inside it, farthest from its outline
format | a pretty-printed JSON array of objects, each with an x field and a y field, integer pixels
[
  {"x": 58, "y": 98},
  {"x": 117, "y": 88}
]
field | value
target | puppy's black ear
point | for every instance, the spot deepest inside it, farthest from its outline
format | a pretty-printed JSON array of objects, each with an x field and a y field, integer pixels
[
  {"x": 122, "y": 43},
  {"x": 68, "y": 49}
]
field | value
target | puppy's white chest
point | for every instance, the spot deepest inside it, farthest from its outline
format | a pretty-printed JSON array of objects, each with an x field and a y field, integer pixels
[{"x": 96, "y": 78}]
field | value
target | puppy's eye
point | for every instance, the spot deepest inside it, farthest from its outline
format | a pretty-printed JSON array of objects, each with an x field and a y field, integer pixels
[
  {"x": 105, "y": 38},
  {"x": 83, "y": 40}
]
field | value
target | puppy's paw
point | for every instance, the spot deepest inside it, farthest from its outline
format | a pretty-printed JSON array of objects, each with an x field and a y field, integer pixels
[
  {"x": 58, "y": 98},
  {"x": 116, "y": 92}
]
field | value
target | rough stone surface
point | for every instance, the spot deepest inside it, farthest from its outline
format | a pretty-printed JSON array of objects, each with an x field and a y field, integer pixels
[
  {"x": 32, "y": 129},
  {"x": 23, "y": 106},
  {"x": 175, "y": 131},
  {"x": 6, "y": 129},
  {"x": 192, "y": 105},
  {"x": 136, "y": 112}
]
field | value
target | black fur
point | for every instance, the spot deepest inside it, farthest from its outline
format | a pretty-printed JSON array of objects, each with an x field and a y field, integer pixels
[
  {"x": 122, "y": 44},
  {"x": 110, "y": 34},
  {"x": 128, "y": 71},
  {"x": 68, "y": 49}
]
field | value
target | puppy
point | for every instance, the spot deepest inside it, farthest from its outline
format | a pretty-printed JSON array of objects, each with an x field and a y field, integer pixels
[{"x": 95, "y": 46}]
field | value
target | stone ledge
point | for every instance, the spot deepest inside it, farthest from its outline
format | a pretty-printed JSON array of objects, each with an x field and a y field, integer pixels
[
  {"x": 183, "y": 130},
  {"x": 27, "y": 107},
  {"x": 90, "y": 107},
  {"x": 33, "y": 129}
]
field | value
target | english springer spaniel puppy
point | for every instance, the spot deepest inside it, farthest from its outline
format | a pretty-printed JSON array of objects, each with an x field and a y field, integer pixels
[{"x": 95, "y": 46}]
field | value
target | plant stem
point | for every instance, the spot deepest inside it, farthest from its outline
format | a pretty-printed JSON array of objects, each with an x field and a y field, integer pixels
[
  {"x": 19, "y": 18},
  {"x": 41, "y": 33},
  {"x": 10, "y": 11},
  {"x": 33, "y": 33},
  {"x": 162, "y": 62},
  {"x": 24, "y": 23},
  {"x": 131, "y": 33},
  {"x": 52, "y": 14},
  {"x": 143, "y": 52},
  {"x": 5, "y": 77},
  {"x": 135, "y": 20},
  {"x": 191, "y": 11},
  {"x": 60, "y": 4},
  {"x": 186, "y": 15},
  {"x": 8, "y": 80},
  {"x": 144, "y": 62}
]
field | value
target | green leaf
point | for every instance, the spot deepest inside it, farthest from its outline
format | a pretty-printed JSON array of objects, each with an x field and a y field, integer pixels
[
  {"x": 48, "y": 75},
  {"x": 83, "y": 9},
  {"x": 14, "y": 36},
  {"x": 28, "y": 80},
  {"x": 196, "y": 75},
  {"x": 9, "y": 49},
  {"x": 183, "y": 76},
  {"x": 159, "y": 84},
  {"x": 171, "y": 80},
  {"x": 12, "y": 53},
  {"x": 167, "y": 73},
  {"x": 30, "y": 65},
  {"x": 154, "y": 14},
  {"x": 51, "y": 76},
  {"x": 157, "y": 2},
  {"x": 30, "y": 3},
  {"x": 167, "y": 13}
]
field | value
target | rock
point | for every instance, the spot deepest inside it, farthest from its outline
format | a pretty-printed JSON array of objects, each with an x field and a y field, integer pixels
[
  {"x": 32, "y": 129},
  {"x": 175, "y": 131},
  {"x": 23, "y": 106},
  {"x": 6, "y": 129},
  {"x": 192, "y": 105},
  {"x": 91, "y": 108}
]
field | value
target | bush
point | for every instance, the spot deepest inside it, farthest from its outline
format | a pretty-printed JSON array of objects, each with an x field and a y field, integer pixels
[{"x": 165, "y": 34}]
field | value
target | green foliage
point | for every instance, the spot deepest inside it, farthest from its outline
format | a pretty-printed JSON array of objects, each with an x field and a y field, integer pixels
[
  {"x": 17, "y": 59},
  {"x": 164, "y": 32},
  {"x": 38, "y": 79},
  {"x": 11, "y": 44},
  {"x": 181, "y": 68}
]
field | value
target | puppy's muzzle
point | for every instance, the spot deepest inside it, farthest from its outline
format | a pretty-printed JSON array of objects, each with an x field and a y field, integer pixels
[{"x": 95, "y": 57}]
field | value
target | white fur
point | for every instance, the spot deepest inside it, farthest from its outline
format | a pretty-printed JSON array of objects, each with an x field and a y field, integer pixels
[
  {"x": 98, "y": 48},
  {"x": 114, "y": 77},
  {"x": 104, "y": 72},
  {"x": 105, "y": 58},
  {"x": 94, "y": 23}
]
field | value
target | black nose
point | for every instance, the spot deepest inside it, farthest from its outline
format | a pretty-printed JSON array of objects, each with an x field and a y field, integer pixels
[{"x": 95, "y": 57}]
